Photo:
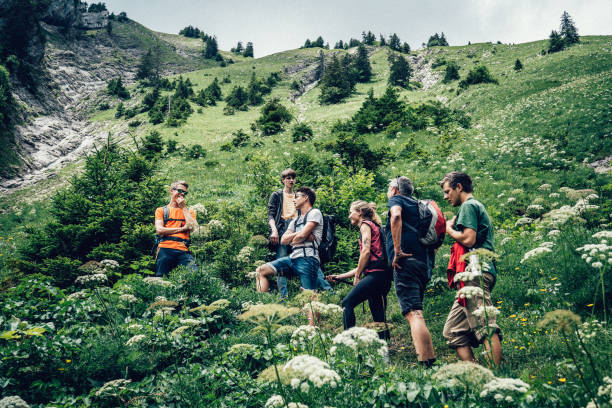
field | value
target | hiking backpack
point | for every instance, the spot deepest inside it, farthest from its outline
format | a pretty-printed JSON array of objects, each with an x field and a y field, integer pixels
[
  {"x": 327, "y": 247},
  {"x": 160, "y": 238},
  {"x": 431, "y": 228}
]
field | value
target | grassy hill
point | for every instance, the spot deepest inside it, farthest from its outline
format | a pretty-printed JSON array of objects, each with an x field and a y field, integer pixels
[{"x": 530, "y": 138}]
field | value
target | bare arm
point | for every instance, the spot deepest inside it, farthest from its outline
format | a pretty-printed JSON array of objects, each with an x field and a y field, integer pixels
[
  {"x": 467, "y": 237},
  {"x": 161, "y": 230},
  {"x": 304, "y": 234},
  {"x": 274, "y": 231},
  {"x": 364, "y": 255}
]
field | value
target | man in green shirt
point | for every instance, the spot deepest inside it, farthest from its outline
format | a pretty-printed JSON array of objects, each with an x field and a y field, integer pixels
[{"x": 472, "y": 322}]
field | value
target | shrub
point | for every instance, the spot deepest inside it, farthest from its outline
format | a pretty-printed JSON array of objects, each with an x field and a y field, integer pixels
[
  {"x": 301, "y": 133},
  {"x": 451, "y": 73},
  {"x": 518, "y": 65},
  {"x": 152, "y": 145},
  {"x": 240, "y": 138},
  {"x": 355, "y": 152},
  {"x": 171, "y": 146},
  {"x": 237, "y": 98},
  {"x": 195, "y": 152},
  {"x": 273, "y": 116},
  {"x": 478, "y": 75},
  {"x": 400, "y": 71},
  {"x": 115, "y": 87}
]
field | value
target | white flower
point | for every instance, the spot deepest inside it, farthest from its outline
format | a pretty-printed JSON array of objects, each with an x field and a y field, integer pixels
[
  {"x": 244, "y": 256},
  {"x": 359, "y": 336},
  {"x": 111, "y": 387},
  {"x": 490, "y": 311},
  {"x": 216, "y": 224},
  {"x": 82, "y": 294},
  {"x": 110, "y": 263},
  {"x": 296, "y": 405},
  {"x": 128, "y": 298},
  {"x": 597, "y": 265},
  {"x": 199, "y": 209},
  {"x": 535, "y": 252},
  {"x": 156, "y": 281},
  {"x": 504, "y": 386},
  {"x": 95, "y": 279},
  {"x": 554, "y": 195},
  {"x": 544, "y": 187},
  {"x": 275, "y": 401},
  {"x": 135, "y": 339},
  {"x": 602, "y": 235},
  {"x": 467, "y": 292},
  {"x": 314, "y": 370},
  {"x": 295, "y": 382},
  {"x": 305, "y": 388},
  {"x": 190, "y": 322},
  {"x": 303, "y": 335},
  {"x": 523, "y": 221},
  {"x": 322, "y": 308},
  {"x": 511, "y": 199},
  {"x": 13, "y": 401},
  {"x": 467, "y": 276},
  {"x": 135, "y": 326},
  {"x": 553, "y": 233}
]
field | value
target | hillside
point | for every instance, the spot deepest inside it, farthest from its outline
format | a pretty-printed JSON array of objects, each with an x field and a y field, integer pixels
[{"x": 195, "y": 338}]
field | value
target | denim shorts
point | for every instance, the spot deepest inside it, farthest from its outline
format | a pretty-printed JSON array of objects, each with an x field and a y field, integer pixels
[
  {"x": 410, "y": 282},
  {"x": 304, "y": 267}
]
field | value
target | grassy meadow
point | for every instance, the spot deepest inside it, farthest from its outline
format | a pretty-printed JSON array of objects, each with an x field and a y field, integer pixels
[{"x": 201, "y": 338}]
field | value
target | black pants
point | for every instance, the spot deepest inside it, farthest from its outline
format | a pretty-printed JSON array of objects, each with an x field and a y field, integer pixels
[{"x": 374, "y": 287}]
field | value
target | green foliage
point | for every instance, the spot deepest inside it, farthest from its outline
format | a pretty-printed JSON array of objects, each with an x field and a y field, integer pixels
[
  {"x": 376, "y": 114},
  {"x": 263, "y": 181},
  {"x": 400, "y": 71},
  {"x": 478, "y": 75},
  {"x": 195, "y": 152},
  {"x": 568, "y": 30},
  {"x": 96, "y": 7},
  {"x": 193, "y": 32},
  {"x": 451, "y": 72},
  {"x": 369, "y": 38},
  {"x": 336, "y": 83},
  {"x": 171, "y": 146},
  {"x": 120, "y": 110},
  {"x": 355, "y": 153},
  {"x": 248, "y": 51},
  {"x": 273, "y": 117},
  {"x": 318, "y": 43},
  {"x": 518, "y": 65},
  {"x": 211, "y": 49},
  {"x": 555, "y": 43},
  {"x": 115, "y": 87},
  {"x": 394, "y": 43},
  {"x": 152, "y": 145},
  {"x": 240, "y": 138},
  {"x": 209, "y": 95},
  {"x": 362, "y": 65},
  {"x": 149, "y": 66},
  {"x": 301, "y": 133},
  {"x": 237, "y": 98},
  {"x": 437, "y": 40}
]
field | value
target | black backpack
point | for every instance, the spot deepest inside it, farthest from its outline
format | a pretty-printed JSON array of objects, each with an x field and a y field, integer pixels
[{"x": 327, "y": 247}]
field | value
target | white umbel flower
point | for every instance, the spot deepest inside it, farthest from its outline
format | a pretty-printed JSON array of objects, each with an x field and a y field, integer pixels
[
  {"x": 135, "y": 340},
  {"x": 313, "y": 370},
  {"x": 468, "y": 292}
]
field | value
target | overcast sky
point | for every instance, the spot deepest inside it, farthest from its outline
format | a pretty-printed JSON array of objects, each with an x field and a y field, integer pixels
[{"x": 279, "y": 25}]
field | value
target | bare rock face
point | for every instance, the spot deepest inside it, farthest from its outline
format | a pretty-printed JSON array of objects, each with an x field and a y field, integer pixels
[{"x": 61, "y": 13}]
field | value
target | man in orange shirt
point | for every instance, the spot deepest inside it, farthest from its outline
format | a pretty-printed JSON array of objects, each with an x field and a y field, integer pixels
[{"x": 173, "y": 234}]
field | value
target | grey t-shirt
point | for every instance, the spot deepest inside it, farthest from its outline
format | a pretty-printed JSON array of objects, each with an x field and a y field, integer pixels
[{"x": 306, "y": 248}]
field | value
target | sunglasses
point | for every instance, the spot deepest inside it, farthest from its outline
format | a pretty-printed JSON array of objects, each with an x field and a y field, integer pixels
[{"x": 181, "y": 191}]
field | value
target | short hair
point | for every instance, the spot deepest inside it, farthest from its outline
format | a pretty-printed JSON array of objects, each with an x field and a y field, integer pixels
[
  {"x": 288, "y": 172},
  {"x": 310, "y": 193},
  {"x": 403, "y": 184},
  {"x": 177, "y": 183},
  {"x": 455, "y": 178}
]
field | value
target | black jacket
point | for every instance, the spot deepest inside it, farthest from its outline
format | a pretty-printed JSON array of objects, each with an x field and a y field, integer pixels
[{"x": 275, "y": 209}]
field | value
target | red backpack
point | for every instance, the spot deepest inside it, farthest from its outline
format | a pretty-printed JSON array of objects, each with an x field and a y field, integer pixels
[{"x": 437, "y": 227}]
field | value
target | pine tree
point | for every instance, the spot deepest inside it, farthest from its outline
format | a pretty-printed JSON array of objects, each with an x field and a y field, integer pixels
[
  {"x": 406, "y": 48},
  {"x": 339, "y": 45},
  {"x": 569, "y": 32},
  {"x": 555, "y": 43},
  {"x": 395, "y": 43},
  {"x": 383, "y": 42},
  {"x": 443, "y": 42},
  {"x": 400, "y": 71},
  {"x": 451, "y": 72},
  {"x": 353, "y": 42},
  {"x": 248, "y": 51},
  {"x": 307, "y": 44},
  {"x": 212, "y": 49},
  {"x": 518, "y": 65},
  {"x": 320, "y": 66},
  {"x": 369, "y": 38},
  {"x": 238, "y": 49},
  {"x": 335, "y": 83},
  {"x": 362, "y": 64},
  {"x": 318, "y": 42}
]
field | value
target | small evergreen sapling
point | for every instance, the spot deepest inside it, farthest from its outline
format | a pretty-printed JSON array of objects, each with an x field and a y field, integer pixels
[{"x": 518, "y": 65}]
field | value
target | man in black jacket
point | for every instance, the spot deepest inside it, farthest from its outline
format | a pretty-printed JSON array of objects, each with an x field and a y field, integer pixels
[{"x": 281, "y": 210}]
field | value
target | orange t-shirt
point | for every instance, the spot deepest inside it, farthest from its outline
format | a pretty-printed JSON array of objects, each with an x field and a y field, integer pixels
[{"x": 175, "y": 213}]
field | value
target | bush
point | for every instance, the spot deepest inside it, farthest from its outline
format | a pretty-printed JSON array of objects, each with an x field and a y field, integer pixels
[
  {"x": 478, "y": 75},
  {"x": 400, "y": 71},
  {"x": 237, "y": 98},
  {"x": 195, "y": 152},
  {"x": 115, "y": 87},
  {"x": 273, "y": 116},
  {"x": 240, "y": 138},
  {"x": 171, "y": 146},
  {"x": 301, "y": 133},
  {"x": 451, "y": 73}
]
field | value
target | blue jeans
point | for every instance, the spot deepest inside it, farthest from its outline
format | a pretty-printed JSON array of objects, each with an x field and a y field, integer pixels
[
  {"x": 306, "y": 268},
  {"x": 281, "y": 280},
  {"x": 168, "y": 259}
]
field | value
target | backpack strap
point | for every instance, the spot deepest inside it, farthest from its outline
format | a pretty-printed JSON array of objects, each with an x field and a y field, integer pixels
[
  {"x": 315, "y": 248},
  {"x": 161, "y": 238}
]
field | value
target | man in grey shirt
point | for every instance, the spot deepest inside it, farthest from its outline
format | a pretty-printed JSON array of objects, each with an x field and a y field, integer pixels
[{"x": 304, "y": 234}]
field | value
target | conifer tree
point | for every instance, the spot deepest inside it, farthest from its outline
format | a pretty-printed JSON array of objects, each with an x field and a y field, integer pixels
[
  {"x": 339, "y": 45},
  {"x": 318, "y": 42},
  {"x": 395, "y": 43},
  {"x": 335, "y": 83},
  {"x": 443, "y": 42},
  {"x": 406, "y": 48},
  {"x": 400, "y": 71},
  {"x": 383, "y": 42},
  {"x": 212, "y": 49},
  {"x": 518, "y": 65},
  {"x": 248, "y": 50},
  {"x": 362, "y": 64},
  {"x": 320, "y": 66},
  {"x": 555, "y": 43},
  {"x": 568, "y": 32},
  {"x": 238, "y": 49},
  {"x": 353, "y": 42},
  {"x": 307, "y": 44},
  {"x": 369, "y": 38}
]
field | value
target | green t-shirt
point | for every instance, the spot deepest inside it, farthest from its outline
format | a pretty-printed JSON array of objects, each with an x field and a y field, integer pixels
[{"x": 472, "y": 214}]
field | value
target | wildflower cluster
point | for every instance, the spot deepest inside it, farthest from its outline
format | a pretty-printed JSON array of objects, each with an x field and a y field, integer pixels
[
  {"x": 322, "y": 308},
  {"x": 357, "y": 338},
  {"x": 199, "y": 209},
  {"x": 13, "y": 401},
  {"x": 559, "y": 216},
  {"x": 81, "y": 294},
  {"x": 245, "y": 254},
  {"x": 110, "y": 263},
  {"x": 113, "y": 387},
  {"x": 310, "y": 368},
  {"x": 135, "y": 340},
  {"x": 303, "y": 335},
  {"x": 506, "y": 390},
  {"x": 545, "y": 247},
  {"x": 128, "y": 298},
  {"x": 466, "y": 374},
  {"x": 604, "y": 393},
  {"x": 258, "y": 240},
  {"x": 271, "y": 312},
  {"x": 276, "y": 401},
  {"x": 468, "y": 292},
  {"x": 94, "y": 280},
  {"x": 156, "y": 281},
  {"x": 597, "y": 255},
  {"x": 488, "y": 311}
]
